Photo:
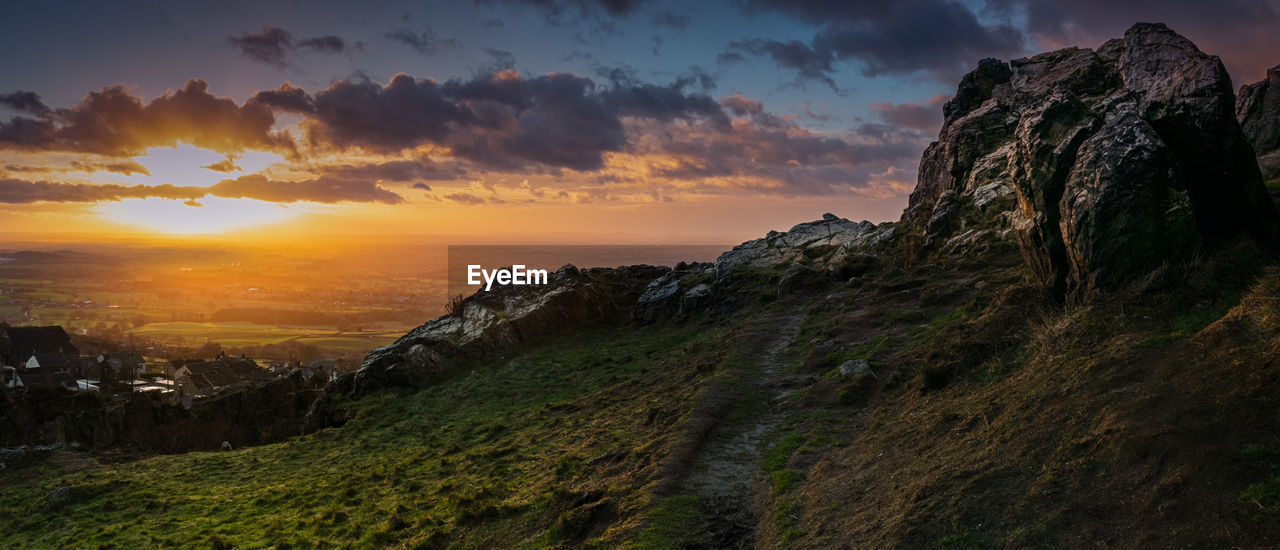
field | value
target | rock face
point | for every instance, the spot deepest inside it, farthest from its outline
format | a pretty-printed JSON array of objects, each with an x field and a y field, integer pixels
[
  {"x": 831, "y": 231},
  {"x": 1258, "y": 110},
  {"x": 1105, "y": 163}
]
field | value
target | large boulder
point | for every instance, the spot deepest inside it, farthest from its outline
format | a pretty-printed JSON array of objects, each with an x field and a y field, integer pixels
[
  {"x": 1106, "y": 163},
  {"x": 1258, "y": 110}
]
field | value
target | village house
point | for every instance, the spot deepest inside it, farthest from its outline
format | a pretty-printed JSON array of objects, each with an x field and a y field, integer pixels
[
  {"x": 203, "y": 378},
  {"x": 19, "y": 344},
  {"x": 119, "y": 365}
]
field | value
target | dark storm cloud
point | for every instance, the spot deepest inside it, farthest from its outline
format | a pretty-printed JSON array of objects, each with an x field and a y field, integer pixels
[
  {"x": 322, "y": 190},
  {"x": 925, "y": 116},
  {"x": 24, "y": 102},
  {"x": 426, "y": 42},
  {"x": 114, "y": 122},
  {"x": 403, "y": 114},
  {"x": 500, "y": 120},
  {"x": 941, "y": 38},
  {"x": 275, "y": 46}
]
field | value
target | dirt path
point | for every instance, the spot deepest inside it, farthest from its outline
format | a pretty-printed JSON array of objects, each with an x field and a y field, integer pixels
[{"x": 727, "y": 473}]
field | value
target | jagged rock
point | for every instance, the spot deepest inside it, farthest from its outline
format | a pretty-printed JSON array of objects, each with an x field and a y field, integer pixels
[
  {"x": 1120, "y": 159},
  {"x": 775, "y": 248},
  {"x": 854, "y": 366},
  {"x": 1258, "y": 110},
  {"x": 696, "y": 298},
  {"x": 660, "y": 297}
]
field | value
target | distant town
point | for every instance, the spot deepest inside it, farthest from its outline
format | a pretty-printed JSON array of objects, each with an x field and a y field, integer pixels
[{"x": 44, "y": 358}]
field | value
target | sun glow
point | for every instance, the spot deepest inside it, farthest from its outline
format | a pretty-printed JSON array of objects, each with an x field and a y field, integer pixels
[{"x": 213, "y": 215}]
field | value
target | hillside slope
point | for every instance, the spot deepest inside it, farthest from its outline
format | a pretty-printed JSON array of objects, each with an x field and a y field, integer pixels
[{"x": 1007, "y": 366}]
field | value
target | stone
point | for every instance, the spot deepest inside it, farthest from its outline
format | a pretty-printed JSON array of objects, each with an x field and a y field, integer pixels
[
  {"x": 58, "y": 496},
  {"x": 854, "y": 366},
  {"x": 696, "y": 298},
  {"x": 1106, "y": 164},
  {"x": 659, "y": 297},
  {"x": 780, "y": 247},
  {"x": 1258, "y": 111}
]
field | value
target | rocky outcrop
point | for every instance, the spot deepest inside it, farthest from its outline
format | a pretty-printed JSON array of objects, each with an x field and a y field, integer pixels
[
  {"x": 1104, "y": 163},
  {"x": 677, "y": 291},
  {"x": 488, "y": 323},
  {"x": 1258, "y": 110},
  {"x": 833, "y": 232}
]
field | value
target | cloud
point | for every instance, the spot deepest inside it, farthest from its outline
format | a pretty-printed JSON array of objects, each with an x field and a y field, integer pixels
[
  {"x": 322, "y": 190},
  {"x": 113, "y": 122},
  {"x": 328, "y": 43},
  {"x": 193, "y": 203},
  {"x": 271, "y": 45},
  {"x": 741, "y": 105},
  {"x": 226, "y": 165},
  {"x": 939, "y": 38},
  {"x": 275, "y": 46},
  {"x": 671, "y": 19},
  {"x": 810, "y": 64},
  {"x": 465, "y": 198},
  {"x": 426, "y": 42},
  {"x": 396, "y": 171},
  {"x": 421, "y": 186},
  {"x": 126, "y": 167},
  {"x": 557, "y": 11},
  {"x": 24, "y": 102},
  {"x": 25, "y": 192},
  {"x": 502, "y": 60},
  {"x": 926, "y": 116}
]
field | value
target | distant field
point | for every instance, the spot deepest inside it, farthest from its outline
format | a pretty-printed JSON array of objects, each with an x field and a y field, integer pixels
[{"x": 243, "y": 334}]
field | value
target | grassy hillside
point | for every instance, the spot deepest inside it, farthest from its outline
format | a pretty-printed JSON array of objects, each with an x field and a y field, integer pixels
[
  {"x": 992, "y": 416},
  {"x": 560, "y": 444}
]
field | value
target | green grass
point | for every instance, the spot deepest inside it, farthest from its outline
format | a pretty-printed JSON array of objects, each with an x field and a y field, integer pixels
[
  {"x": 674, "y": 522},
  {"x": 776, "y": 458},
  {"x": 508, "y": 445}
]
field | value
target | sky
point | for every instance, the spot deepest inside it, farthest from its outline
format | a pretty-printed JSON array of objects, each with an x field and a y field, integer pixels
[{"x": 511, "y": 120}]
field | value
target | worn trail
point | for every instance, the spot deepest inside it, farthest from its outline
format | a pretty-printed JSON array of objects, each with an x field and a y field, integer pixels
[{"x": 727, "y": 472}]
